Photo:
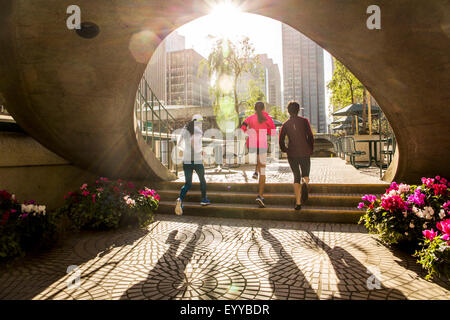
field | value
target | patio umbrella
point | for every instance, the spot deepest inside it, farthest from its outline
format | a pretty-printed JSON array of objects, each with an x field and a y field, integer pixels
[
  {"x": 355, "y": 108},
  {"x": 347, "y": 119}
]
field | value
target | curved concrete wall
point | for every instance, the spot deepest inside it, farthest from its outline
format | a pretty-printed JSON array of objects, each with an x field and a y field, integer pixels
[
  {"x": 75, "y": 95},
  {"x": 32, "y": 172}
]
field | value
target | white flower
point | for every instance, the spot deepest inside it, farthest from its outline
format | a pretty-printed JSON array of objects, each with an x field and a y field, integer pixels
[
  {"x": 442, "y": 214},
  {"x": 131, "y": 202},
  {"x": 41, "y": 209},
  {"x": 411, "y": 225},
  {"x": 406, "y": 233},
  {"x": 418, "y": 212},
  {"x": 393, "y": 192},
  {"x": 13, "y": 197},
  {"x": 27, "y": 208},
  {"x": 403, "y": 188},
  {"x": 425, "y": 225},
  {"x": 428, "y": 210}
]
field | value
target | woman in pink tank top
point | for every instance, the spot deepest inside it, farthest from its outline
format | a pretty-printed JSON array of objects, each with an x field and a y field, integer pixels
[{"x": 257, "y": 127}]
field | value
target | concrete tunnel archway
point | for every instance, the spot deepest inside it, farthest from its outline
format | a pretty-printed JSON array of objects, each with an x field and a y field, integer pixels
[{"x": 75, "y": 95}]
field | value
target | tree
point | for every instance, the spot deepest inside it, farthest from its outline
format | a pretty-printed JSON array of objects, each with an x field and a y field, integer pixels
[
  {"x": 345, "y": 87},
  {"x": 278, "y": 114},
  {"x": 254, "y": 94},
  {"x": 227, "y": 61}
]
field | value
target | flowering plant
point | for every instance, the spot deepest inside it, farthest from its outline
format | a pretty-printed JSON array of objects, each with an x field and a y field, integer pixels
[
  {"x": 108, "y": 204},
  {"x": 434, "y": 255},
  {"x": 23, "y": 226},
  {"x": 405, "y": 211}
]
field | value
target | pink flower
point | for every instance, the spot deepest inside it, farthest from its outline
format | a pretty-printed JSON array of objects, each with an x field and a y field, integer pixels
[
  {"x": 444, "y": 226},
  {"x": 430, "y": 234},
  {"x": 5, "y": 195},
  {"x": 417, "y": 198},
  {"x": 446, "y": 206},
  {"x": 440, "y": 189},
  {"x": 85, "y": 193},
  {"x": 428, "y": 182},
  {"x": 369, "y": 198},
  {"x": 93, "y": 198},
  {"x": 393, "y": 203},
  {"x": 361, "y": 205},
  {"x": 84, "y": 186}
]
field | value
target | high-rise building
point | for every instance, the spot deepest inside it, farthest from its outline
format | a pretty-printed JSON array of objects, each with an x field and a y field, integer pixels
[
  {"x": 185, "y": 86},
  {"x": 303, "y": 76},
  {"x": 266, "y": 77},
  {"x": 155, "y": 73},
  {"x": 273, "y": 80}
]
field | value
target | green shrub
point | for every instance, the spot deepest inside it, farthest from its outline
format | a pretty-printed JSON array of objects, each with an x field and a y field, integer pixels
[
  {"x": 110, "y": 204},
  {"x": 23, "y": 227}
]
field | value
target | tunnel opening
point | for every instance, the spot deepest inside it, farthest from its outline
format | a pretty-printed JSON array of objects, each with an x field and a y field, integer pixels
[
  {"x": 174, "y": 83},
  {"x": 94, "y": 127}
]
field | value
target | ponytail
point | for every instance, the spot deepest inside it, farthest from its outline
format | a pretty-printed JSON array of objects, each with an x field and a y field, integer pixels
[
  {"x": 259, "y": 107},
  {"x": 190, "y": 127}
]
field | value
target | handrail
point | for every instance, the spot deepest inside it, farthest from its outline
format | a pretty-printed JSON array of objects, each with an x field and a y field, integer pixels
[
  {"x": 145, "y": 102},
  {"x": 157, "y": 100}
]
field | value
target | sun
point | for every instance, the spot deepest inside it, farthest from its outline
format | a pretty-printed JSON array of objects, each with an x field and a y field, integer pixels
[
  {"x": 223, "y": 15},
  {"x": 225, "y": 9}
]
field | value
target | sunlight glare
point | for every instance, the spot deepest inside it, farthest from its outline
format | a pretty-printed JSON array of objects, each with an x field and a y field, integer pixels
[
  {"x": 225, "y": 9},
  {"x": 223, "y": 15}
]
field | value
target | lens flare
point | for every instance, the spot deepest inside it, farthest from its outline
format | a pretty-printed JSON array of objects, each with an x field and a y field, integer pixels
[
  {"x": 226, "y": 84},
  {"x": 142, "y": 45},
  {"x": 227, "y": 119}
]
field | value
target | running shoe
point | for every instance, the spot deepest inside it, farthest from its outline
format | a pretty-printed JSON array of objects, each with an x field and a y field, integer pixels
[
  {"x": 205, "y": 202},
  {"x": 179, "y": 207},
  {"x": 255, "y": 175},
  {"x": 298, "y": 207},
  {"x": 260, "y": 201}
]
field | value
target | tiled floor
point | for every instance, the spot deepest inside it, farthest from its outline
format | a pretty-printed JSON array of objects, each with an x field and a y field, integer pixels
[
  {"x": 323, "y": 170},
  {"x": 211, "y": 258}
]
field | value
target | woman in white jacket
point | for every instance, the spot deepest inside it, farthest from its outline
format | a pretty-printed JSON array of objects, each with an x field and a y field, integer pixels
[{"x": 191, "y": 138}]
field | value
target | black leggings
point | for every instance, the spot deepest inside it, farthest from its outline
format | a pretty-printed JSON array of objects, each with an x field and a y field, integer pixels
[{"x": 304, "y": 163}]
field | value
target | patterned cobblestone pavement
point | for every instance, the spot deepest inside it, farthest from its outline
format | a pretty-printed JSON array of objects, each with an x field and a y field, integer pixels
[
  {"x": 323, "y": 170},
  {"x": 211, "y": 258}
]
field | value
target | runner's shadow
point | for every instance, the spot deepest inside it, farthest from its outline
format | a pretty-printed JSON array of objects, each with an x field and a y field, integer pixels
[
  {"x": 352, "y": 274},
  {"x": 169, "y": 269},
  {"x": 282, "y": 269}
]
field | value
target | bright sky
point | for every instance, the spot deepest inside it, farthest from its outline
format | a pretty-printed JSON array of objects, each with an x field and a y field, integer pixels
[{"x": 264, "y": 33}]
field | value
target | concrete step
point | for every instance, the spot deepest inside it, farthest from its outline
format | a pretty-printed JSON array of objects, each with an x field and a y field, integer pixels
[
  {"x": 281, "y": 187},
  {"x": 315, "y": 199},
  {"x": 283, "y": 213}
]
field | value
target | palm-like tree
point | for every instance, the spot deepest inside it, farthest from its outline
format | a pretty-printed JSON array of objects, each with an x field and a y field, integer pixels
[{"x": 229, "y": 59}]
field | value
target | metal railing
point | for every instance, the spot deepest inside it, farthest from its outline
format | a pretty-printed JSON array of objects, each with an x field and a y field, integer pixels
[{"x": 156, "y": 125}]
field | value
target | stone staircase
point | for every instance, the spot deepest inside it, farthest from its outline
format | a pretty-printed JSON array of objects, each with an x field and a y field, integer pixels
[{"x": 333, "y": 203}]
